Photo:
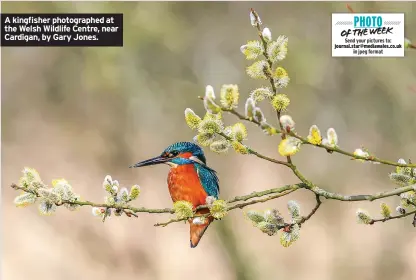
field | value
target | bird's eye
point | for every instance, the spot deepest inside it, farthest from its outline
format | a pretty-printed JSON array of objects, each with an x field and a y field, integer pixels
[
  {"x": 173, "y": 154},
  {"x": 170, "y": 154}
]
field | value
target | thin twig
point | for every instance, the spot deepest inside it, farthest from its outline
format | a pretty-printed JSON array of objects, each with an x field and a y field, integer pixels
[
  {"x": 271, "y": 79},
  {"x": 362, "y": 197},
  {"x": 264, "y": 49},
  {"x": 129, "y": 213},
  {"x": 313, "y": 211},
  {"x": 257, "y": 154},
  {"x": 392, "y": 217},
  {"x": 333, "y": 149},
  {"x": 268, "y": 158},
  {"x": 350, "y": 9},
  {"x": 340, "y": 151},
  {"x": 176, "y": 221},
  {"x": 267, "y": 192},
  {"x": 255, "y": 201}
]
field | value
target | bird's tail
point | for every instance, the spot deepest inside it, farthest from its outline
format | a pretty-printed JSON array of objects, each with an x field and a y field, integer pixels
[{"x": 198, "y": 230}]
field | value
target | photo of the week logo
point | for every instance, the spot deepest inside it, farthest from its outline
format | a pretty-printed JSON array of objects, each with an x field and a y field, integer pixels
[
  {"x": 368, "y": 25},
  {"x": 371, "y": 35}
]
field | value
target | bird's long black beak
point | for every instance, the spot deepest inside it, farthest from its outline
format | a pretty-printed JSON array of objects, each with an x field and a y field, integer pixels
[{"x": 152, "y": 161}]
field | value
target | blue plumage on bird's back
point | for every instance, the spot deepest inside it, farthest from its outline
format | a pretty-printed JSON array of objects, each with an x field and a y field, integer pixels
[{"x": 209, "y": 179}]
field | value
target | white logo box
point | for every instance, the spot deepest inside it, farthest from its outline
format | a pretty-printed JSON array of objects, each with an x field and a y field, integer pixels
[{"x": 368, "y": 35}]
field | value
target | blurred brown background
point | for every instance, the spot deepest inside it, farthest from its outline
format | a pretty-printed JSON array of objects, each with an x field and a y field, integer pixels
[{"x": 82, "y": 113}]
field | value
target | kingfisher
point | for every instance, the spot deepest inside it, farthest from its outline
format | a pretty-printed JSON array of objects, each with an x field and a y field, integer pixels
[{"x": 189, "y": 179}]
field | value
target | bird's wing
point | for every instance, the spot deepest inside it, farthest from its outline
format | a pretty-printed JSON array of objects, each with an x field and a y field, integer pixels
[{"x": 209, "y": 180}]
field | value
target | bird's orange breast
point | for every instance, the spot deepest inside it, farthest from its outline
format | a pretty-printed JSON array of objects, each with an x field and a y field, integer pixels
[{"x": 184, "y": 184}]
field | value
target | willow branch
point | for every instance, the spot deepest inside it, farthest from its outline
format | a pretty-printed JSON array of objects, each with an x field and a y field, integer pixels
[
  {"x": 268, "y": 158},
  {"x": 269, "y": 61},
  {"x": 163, "y": 224},
  {"x": 329, "y": 148},
  {"x": 392, "y": 217},
  {"x": 103, "y": 205},
  {"x": 313, "y": 211},
  {"x": 267, "y": 192},
  {"x": 343, "y": 152},
  {"x": 255, "y": 201},
  {"x": 277, "y": 192},
  {"x": 270, "y": 193},
  {"x": 257, "y": 154},
  {"x": 362, "y": 197},
  {"x": 271, "y": 79},
  {"x": 285, "y": 190}
]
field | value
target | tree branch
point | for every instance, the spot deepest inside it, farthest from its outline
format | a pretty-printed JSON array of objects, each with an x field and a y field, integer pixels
[
  {"x": 362, "y": 197},
  {"x": 267, "y": 192},
  {"x": 392, "y": 217},
  {"x": 278, "y": 192},
  {"x": 313, "y": 211},
  {"x": 103, "y": 205},
  {"x": 340, "y": 151},
  {"x": 273, "y": 194},
  {"x": 255, "y": 201},
  {"x": 271, "y": 79},
  {"x": 163, "y": 224},
  {"x": 329, "y": 148},
  {"x": 253, "y": 152}
]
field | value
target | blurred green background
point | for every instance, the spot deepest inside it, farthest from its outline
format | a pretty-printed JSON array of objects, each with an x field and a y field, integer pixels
[{"x": 82, "y": 113}]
